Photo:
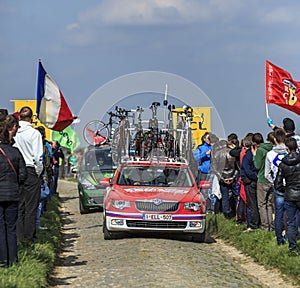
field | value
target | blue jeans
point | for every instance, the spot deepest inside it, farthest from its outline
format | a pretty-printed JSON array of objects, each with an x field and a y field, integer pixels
[
  {"x": 8, "y": 232},
  {"x": 228, "y": 194},
  {"x": 292, "y": 223},
  {"x": 278, "y": 222}
]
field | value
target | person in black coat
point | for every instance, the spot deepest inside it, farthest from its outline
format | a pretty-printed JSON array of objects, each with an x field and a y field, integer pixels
[
  {"x": 289, "y": 172},
  {"x": 12, "y": 173}
]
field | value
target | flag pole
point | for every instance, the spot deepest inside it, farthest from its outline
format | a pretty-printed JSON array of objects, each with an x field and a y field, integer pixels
[{"x": 267, "y": 111}]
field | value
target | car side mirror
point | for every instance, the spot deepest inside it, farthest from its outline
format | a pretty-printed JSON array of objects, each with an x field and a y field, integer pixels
[
  {"x": 204, "y": 184},
  {"x": 74, "y": 170},
  {"x": 105, "y": 182}
]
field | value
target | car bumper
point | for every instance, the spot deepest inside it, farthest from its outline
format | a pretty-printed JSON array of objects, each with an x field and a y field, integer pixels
[
  {"x": 91, "y": 198},
  {"x": 136, "y": 222}
]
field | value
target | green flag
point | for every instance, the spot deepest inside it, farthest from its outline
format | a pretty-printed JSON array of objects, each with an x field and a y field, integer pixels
[{"x": 67, "y": 138}]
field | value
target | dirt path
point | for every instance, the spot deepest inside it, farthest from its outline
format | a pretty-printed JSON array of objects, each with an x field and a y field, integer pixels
[{"x": 87, "y": 260}]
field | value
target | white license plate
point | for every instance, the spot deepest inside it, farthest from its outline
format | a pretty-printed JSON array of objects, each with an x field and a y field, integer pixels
[{"x": 158, "y": 217}]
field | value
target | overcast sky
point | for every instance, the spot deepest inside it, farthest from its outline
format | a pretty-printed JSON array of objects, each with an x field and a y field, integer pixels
[{"x": 220, "y": 45}]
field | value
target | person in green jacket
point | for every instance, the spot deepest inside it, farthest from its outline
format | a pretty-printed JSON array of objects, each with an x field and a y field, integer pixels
[{"x": 264, "y": 187}]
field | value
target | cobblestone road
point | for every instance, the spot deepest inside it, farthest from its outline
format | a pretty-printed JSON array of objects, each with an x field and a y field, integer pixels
[{"x": 87, "y": 260}]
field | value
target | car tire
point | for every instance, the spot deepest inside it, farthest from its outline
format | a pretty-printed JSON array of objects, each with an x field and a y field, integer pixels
[
  {"x": 199, "y": 238},
  {"x": 108, "y": 235},
  {"x": 82, "y": 208}
]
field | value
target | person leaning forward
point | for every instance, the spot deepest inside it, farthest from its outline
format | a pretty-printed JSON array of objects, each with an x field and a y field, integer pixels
[{"x": 29, "y": 141}]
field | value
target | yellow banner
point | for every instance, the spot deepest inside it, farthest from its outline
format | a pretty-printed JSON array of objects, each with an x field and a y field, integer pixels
[
  {"x": 32, "y": 104},
  {"x": 199, "y": 124}
]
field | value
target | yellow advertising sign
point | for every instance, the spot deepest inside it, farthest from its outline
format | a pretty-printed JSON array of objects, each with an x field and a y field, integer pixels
[
  {"x": 32, "y": 104},
  {"x": 199, "y": 124}
]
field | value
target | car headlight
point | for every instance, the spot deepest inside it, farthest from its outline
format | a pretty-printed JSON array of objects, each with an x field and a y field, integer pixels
[
  {"x": 120, "y": 204},
  {"x": 192, "y": 206},
  {"x": 86, "y": 184}
]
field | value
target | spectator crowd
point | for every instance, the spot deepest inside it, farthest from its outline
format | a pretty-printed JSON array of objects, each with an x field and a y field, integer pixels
[
  {"x": 256, "y": 182},
  {"x": 29, "y": 171}
]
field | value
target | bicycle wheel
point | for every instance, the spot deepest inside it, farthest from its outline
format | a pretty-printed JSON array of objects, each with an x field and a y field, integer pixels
[{"x": 95, "y": 132}]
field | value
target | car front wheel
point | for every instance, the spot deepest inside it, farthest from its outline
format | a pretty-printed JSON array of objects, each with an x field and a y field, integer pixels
[
  {"x": 82, "y": 208},
  {"x": 108, "y": 235},
  {"x": 199, "y": 238}
]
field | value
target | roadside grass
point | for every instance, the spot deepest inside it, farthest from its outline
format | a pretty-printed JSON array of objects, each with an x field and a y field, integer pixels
[
  {"x": 260, "y": 245},
  {"x": 36, "y": 260}
]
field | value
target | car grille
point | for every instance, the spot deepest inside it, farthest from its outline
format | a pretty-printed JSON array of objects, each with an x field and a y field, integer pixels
[
  {"x": 150, "y": 206},
  {"x": 157, "y": 224}
]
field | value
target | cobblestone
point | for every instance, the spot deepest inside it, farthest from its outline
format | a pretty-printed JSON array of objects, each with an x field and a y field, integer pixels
[{"x": 141, "y": 261}]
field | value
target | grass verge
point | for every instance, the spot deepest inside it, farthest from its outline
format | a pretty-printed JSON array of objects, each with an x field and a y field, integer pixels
[
  {"x": 260, "y": 245},
  {"x": 36, "y": 260}
]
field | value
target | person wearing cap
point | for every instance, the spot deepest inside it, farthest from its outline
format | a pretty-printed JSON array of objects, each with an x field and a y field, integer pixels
[{"x": 289, "y": 128}]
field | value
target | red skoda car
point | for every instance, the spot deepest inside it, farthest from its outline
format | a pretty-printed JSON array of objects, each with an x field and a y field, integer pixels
[{"x": 153, "y": 196}]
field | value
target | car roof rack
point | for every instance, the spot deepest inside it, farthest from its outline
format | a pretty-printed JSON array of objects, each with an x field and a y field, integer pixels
[{"x": 154, "y": 159}]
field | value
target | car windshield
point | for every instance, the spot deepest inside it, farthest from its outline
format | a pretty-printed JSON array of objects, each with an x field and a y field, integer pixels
[
  {"x": 95, "y": 160},
  {"x": 155, "y": 176}
]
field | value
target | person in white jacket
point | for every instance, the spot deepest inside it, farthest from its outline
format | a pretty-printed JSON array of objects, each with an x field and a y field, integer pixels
[
  {"x": 273, "y": 159},
  {"x": 29, "y": 141}
]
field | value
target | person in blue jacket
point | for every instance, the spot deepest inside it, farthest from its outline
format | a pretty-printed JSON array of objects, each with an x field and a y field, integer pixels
[{"x": 202, "y": 156}]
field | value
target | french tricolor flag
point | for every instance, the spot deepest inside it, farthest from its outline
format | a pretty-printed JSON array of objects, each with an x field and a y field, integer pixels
[{"x": 51, "y": 107}]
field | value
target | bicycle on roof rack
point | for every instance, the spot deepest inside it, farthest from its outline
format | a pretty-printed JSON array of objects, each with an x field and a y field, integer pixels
[
  {"x": 132, "y": 137},
  {"x": 157, "y": 138},
  {"x": 97, "y": 132},
  {"x": 121, "y": 138},
  {"x": 184, "y": 133}
]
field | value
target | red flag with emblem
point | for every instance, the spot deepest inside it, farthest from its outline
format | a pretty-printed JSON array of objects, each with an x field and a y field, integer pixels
[{"x": 281, "y": 89}]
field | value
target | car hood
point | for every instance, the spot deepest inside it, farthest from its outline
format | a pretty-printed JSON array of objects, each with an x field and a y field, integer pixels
[
  {"x": 165, "y": 193},
  {"x": 94, "y": 176}
]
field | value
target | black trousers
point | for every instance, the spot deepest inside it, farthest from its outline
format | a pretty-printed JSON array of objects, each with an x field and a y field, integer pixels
[
  {"x": 251, "y": 195},
  {"x": 28, "y": 205},
  {"x": 8, "y": 234}
]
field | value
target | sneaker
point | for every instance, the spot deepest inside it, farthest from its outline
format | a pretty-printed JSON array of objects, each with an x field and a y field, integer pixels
[
  {"x": 42, "y": 228},
  {"x": 249, "y": 229},
  {"x": 282, "y": 242},
  {"x": 294, "y": 253}
]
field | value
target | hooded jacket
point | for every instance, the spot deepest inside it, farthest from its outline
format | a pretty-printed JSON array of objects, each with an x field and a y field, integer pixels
[
  {"x": 260, "y": 159},
  {"x": 289, "y": 170},
  {"x": 273, "y": 159},
  {"x": 202, "y": 158},
  {"x": 29, "y": 141}
]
